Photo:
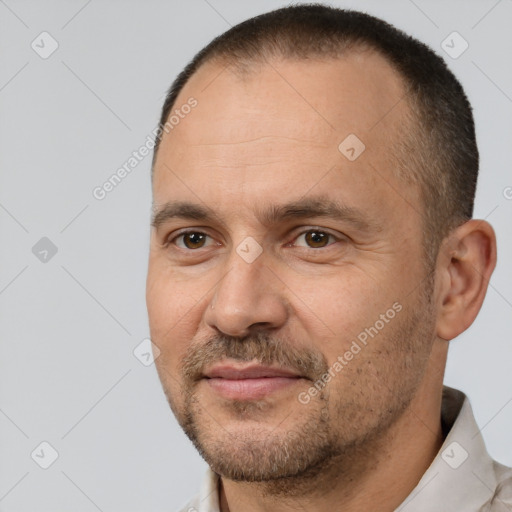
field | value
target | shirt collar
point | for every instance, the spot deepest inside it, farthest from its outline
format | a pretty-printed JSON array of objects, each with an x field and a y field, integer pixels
[
  {"x": 209, "y": 493},
  {"x": 461, "y": 477}
]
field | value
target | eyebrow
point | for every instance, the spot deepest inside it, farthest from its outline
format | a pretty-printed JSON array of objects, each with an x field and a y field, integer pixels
[{"x": 319, "y": 206}]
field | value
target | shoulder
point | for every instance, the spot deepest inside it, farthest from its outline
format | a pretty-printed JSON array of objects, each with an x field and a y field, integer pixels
[{"x": 502, "y": 499}]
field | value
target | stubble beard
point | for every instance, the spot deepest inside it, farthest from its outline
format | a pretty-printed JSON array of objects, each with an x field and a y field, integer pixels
[{"x": 334, "y": 437}]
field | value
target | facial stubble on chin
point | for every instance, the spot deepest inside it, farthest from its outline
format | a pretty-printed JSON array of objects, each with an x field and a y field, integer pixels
[
  {"x": 291, "y": 461},
  {"x": 262, "y": 455}
]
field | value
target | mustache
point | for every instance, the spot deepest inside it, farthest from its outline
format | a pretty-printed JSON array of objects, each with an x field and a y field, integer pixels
[{"x": 260, "y": 347}]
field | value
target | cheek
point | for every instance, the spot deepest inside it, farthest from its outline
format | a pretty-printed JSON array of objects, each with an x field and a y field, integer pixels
[
  {"x": 341, "y": 305},
  {"x": 173, "y": 315}
]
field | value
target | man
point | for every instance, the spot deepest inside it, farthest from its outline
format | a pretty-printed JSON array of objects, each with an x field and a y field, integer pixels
[{"x": 312, "y": 254}]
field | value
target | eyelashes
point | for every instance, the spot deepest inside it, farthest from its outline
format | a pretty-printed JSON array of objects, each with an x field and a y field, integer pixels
[{"x": 196, "y": 239}]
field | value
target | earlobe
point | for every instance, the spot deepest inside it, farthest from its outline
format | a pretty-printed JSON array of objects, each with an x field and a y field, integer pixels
[{"x": 465, "y": 269}]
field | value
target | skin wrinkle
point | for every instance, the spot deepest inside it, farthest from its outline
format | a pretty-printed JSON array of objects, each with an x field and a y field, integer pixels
[
  {"x": 313, "y": 207},
  {"x": 257, "y": 348},
  {"x": 314, "y": 467},
  {"x": 380, "y": 414},
  {"x": 257, "y": 139}
]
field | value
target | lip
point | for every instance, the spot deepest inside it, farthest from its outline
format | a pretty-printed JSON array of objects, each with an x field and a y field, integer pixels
[
  {"x": 228, "y": 371},
  {"x": 250, "y": 382}
]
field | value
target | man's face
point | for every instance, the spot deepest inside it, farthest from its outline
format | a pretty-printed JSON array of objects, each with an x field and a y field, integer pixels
[{"x": 334, "y": 300}]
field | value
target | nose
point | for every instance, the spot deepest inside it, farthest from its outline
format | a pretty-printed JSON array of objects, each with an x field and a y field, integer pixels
[{"x": 249, "y": 296}]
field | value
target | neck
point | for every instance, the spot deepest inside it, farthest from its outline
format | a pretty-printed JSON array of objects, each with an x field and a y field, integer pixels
[{"x": 380, "y": 476}]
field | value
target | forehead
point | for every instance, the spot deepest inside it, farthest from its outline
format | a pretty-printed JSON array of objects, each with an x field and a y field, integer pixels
[
  {"x": 282, "y": 127},
  {"x": 355, "y": 92}
]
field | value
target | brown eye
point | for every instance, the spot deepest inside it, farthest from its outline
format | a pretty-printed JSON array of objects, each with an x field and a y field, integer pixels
[
  {"x": 192, "y": 240},
  {"x": 317, "y": 239}
]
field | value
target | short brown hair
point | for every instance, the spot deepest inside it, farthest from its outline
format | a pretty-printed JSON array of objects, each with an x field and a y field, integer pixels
[{"x": 437, "y": 147}]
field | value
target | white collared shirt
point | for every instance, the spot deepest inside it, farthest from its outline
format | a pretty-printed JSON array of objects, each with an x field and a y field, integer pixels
[{"x": 462, "y": 477}]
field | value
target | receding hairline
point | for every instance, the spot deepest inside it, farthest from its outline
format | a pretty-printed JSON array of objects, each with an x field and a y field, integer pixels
[
  {"x": 436, "y": 144},
  {"x": 244, "y": 68}
]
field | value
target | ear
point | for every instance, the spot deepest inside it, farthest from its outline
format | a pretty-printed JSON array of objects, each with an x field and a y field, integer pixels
[{"x": 466, "y": 261}]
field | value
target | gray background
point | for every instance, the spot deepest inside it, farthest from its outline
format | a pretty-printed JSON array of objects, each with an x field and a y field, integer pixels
[{"x": 69, "y": 325}]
